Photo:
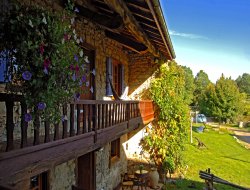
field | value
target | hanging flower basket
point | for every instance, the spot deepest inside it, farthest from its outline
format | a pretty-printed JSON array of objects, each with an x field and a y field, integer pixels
[{"x": 44, "y": 59}]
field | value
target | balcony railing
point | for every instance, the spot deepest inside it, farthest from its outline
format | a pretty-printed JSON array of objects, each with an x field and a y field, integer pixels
[{"x": 84, "y": 116}]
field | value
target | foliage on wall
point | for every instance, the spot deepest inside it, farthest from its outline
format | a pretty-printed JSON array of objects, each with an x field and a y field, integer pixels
[
  {"x": 166, "y": 140},
  {"x": 44, "y": 59}
]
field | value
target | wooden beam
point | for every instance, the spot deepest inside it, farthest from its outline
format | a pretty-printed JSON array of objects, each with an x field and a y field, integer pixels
[
  {"x": 111, "y": 23},
  {"x": 127, "y": 42},
  {"x": 133, "y": 26},
  {"x": 139, "y": 4}
]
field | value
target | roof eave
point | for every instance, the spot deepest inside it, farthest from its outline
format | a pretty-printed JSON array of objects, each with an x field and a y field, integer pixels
[{"x": 160, "y": 17}]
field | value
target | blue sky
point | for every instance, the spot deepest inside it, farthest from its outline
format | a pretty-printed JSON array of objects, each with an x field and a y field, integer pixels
[{"x": 210, "y": 35}]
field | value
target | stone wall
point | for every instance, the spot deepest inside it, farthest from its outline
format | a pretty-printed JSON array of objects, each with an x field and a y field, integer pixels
[
  {"x": 63, "y": 176},
  {"x": 108, "y": 175},
  {"x": 141, "y": 71}
]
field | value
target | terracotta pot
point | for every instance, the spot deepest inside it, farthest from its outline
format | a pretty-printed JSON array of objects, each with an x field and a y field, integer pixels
[{"x": 153, "y": 177}]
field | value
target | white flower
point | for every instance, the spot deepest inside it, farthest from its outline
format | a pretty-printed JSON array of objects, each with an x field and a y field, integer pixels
[
  {"x": 81, "y": 53},
  {"x": 44, "y": 20},
  {"x": 30, "y": 23},
  {"x": 86, "y": 59}
]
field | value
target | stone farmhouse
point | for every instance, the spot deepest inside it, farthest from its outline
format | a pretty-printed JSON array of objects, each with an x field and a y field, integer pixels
[{"x": 125, "y": 41}]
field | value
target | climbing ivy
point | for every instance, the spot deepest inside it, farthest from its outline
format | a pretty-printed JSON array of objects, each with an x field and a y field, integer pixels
[{"x": 165, "y": 141}]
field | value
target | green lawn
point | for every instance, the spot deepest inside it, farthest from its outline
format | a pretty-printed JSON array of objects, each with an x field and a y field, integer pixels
[{"x": 224, "y": 156}]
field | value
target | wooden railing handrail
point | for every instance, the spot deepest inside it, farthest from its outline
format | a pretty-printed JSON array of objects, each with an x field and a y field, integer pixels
[
  {"x": 105, "y": 101},
  {"x": 84, "y": 116}
]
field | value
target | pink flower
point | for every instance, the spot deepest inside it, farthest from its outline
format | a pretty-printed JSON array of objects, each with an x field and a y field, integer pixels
[
  {"x": 77, "y": 68},
  {"x": 71, "y": 67},
  {"x": 46, "y": 63},
  {"x": 41, "y": 47},
  {"x": 66, "y": 37}
]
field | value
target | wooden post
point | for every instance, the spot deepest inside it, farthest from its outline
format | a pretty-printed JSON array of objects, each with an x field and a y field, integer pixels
[
  {"x": 9, "y": 125},
  {"x": 65, "y": 122},
  {"x": 85, "y": 111},
  {"x": 24, "y": 125},
  {"x": 36, "y": 128},
  {"x": 56, "y": 131},
  {"x": 47, "y": 136},
  {"x": 78, "y": 107},
  {"x": 72, "y": 120}
]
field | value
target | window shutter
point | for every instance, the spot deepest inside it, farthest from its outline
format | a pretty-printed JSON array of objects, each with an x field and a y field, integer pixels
[
  {"x": 108, "y": 76},
  {"x": 122, "y": 78}
]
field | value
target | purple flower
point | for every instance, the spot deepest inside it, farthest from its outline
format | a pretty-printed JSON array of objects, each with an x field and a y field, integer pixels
[
  {"x": 45, "y": 70},
  {"x": 76, "y": 10},
  {"x": 26, "y": 75},
  {"x": 74, "y": 77},
  {"x": 28, "y": 117},
  {"x": 87, "y": 83},
  {"x": 80, "y": 83},
  {"x": 41, "y": 105},
  {"x": 64, "y": 118},
  {"x": 76, "y": 58},
  {"x": 77, "y": 96},
  {"x": 84, "y": 79}
]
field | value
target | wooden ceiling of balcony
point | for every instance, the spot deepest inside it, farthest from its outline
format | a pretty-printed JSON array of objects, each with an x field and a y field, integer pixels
[{"x": 130, "y": 22}]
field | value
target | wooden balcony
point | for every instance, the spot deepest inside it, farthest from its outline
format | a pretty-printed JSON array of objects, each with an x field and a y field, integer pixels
[
  {"x": 147, "y": 111},
  {"x": 89, "y": 126}
]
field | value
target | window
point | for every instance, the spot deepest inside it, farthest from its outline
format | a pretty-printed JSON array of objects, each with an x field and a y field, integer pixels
[
  {"x": 117, "y": 79},
  {"x": 115, "y": 72},
  {"x": 115, "y": 148},
  {"x": 39, "y": 182}
]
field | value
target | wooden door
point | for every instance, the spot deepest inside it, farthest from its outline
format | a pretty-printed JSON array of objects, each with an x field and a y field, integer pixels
[
  {"x": 89, "y": 90},
  {"x": 86, "y": 172}
]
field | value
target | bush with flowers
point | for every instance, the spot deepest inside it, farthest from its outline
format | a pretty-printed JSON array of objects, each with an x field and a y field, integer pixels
[{"x": 44, "y": 59}]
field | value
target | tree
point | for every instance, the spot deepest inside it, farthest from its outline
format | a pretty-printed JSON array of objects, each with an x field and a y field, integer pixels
[
  {"x": 189, "y": 85},
  {"x": 166, "y": 139},
  {"x": 223, "y": 100},
  {"x": 201, "y": 82},
  {"x": 243, "y": 83}
]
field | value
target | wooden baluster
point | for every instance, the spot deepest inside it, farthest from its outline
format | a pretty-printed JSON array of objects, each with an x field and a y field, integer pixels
[
  {"x": 107, "y": 115},
  {"x": 118, "y": 113},
  {"x": 104, "y": 120},
  {"x": 94, "y": 120},
  {"x": 56, "y": 131},
  {"x": 72, "y": 120},
  {"x": 9, "y": 125},
  {"x": 90, "y": 119},
  {"x": 36, "y": 129},
  {"x": 65, "y": 122},
  {"x": 138, "y": 110},
  {"x": 99, "y": 118},
  {"x": 24, "y": 125},
  {"x": 78, "y": 118},
  {"x": 97, "y": 115},
  {"x": 114, "y": 114},
  {"x": 47, "y": 136},
  {"x": 123, "y": 113},
  {"x": 110, "y": 115},
  {"x": 128, "y": 111},
  {"x": 85, "y": 118}
]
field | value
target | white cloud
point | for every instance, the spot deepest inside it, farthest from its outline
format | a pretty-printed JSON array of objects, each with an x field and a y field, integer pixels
[{"x": 186, "y": 35}]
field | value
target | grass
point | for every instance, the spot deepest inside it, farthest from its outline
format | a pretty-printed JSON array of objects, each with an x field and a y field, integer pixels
[{"x": 225, "y": 157}]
